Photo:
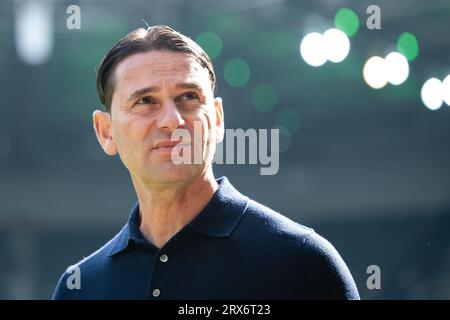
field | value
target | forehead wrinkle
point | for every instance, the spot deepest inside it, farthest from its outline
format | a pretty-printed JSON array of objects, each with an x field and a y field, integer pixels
[
  {"x": 163, "y": 63},
  {"x": 153, "y": 70},
  {"x": 178, "y": 67}
]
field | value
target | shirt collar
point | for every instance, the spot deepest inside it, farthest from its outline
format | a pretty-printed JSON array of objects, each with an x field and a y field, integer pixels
[{"x": 218, "y": 219}]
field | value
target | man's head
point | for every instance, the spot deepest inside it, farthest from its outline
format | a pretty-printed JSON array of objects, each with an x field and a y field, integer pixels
[
  {"x": 153, "y": 82},
  {"x": 155, "y": 38}
]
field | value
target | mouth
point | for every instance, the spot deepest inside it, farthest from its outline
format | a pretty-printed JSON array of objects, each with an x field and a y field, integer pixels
[{"x": 168, "y": 146}]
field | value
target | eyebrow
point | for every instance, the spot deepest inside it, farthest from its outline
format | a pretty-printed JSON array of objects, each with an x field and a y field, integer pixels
[
  {"x": 189, "y": 85},
  {"x": 140, "y": 92},
  {"x": 185, "y": 85}
]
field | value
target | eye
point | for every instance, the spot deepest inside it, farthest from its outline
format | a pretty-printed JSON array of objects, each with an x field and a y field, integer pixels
[
  {"x": 145, "y": 100},
  {"x": 188, "y": 96}
]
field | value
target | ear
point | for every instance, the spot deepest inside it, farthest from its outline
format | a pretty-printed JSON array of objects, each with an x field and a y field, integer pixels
[
  {"x": 102, "y": 127},
  {"x": 220, "y": 125}
]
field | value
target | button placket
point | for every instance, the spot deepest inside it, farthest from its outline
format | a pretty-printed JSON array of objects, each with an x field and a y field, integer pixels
[{"x": 163, "y": 258}]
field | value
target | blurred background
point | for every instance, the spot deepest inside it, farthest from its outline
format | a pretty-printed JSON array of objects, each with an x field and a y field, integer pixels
[{"x": 365, "y": 142}]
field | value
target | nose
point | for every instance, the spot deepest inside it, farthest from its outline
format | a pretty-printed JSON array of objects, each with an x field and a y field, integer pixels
[{"x": 170, "y": 117}]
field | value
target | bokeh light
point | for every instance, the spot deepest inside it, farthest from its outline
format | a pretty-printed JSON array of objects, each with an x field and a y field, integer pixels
[
  {"x": 408, "y": 45},
  {"x": 236, "y": 72},
  {"x": 432, "y": 94},
  {"x": 211, "y": 43},
  {"x": 337, "y": 45},
  {"x": 374, "y": 72},
  {"x": 446, "y": 89},
  {"x": 347, "y": 21},
  {"x": 264, "y": 97},
  {"x": 34, "y": 31},
  {"x": 397, "y": 68},
  {"x": 312, "y": 49}
]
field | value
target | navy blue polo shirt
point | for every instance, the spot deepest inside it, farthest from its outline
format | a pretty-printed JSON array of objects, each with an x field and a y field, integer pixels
[{"x": 235, "y": 248}]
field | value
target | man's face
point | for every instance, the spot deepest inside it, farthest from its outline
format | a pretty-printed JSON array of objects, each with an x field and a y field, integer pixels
[{"x": 156, "y": 93}]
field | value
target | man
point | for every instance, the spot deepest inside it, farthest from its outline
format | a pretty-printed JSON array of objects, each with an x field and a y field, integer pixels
[{"x": 189, "y": 236}]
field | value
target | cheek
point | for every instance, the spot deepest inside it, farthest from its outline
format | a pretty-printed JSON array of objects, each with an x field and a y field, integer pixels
[
  {"x": 138, "y": 123},
  {"x": 211, "y": 127},
  {"x": 208, "y": 118},
  {"x": 129, "y": 131}
]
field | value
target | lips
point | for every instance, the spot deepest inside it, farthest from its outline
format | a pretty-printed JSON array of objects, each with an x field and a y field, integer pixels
[
  {"x": 166, "y": 147},
  {"x": 167, "y": 144}
]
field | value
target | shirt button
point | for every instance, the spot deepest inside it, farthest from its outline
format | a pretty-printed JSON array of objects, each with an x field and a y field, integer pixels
[
  {"x": 163, "y": 258},
  {"x": 156, "y": 293}
]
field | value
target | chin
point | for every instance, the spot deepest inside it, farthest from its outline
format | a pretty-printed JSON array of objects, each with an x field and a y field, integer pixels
[{"x": 170, "y": 172}]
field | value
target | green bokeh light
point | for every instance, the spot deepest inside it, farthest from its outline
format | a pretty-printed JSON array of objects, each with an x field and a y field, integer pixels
[
  {"x": 211, "y": 43},
  {"x": 236, "y": 72},
  {"x": 408, "y": 45},
  {"x": 264, "y": 97},
  {"x": 347, "y": 21},
  {"x": 288, "y": 118}
]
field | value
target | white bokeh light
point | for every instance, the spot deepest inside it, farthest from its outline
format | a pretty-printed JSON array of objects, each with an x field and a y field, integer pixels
[
  {"x": 446, "y": 89},
  {"x": 374, "y": 72},
  {"x": 34, "y": 30},
  {"x": 432, "y": 94},
  {"x": 397, "y": 68},
  {"x": 312, "y": 49},
  {"x": 337, "y": 45}
]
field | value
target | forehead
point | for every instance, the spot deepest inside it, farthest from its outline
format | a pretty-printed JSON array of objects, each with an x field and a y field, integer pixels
[{"x": 159, "y": 68}]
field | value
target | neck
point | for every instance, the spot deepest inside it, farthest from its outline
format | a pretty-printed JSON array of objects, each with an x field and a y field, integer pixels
[{"x": 166, "y": 210}]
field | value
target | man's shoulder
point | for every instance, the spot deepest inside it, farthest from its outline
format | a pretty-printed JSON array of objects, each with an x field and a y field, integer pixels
[
  {"x": 318, "y": 259},
  {"x": 270, "y": 225},
  {"x": 274, "y": 227},
  {"x": 98, "y": 257},
  {"x": 87, "y": 269},
  {"x": 266, "y": 220}
]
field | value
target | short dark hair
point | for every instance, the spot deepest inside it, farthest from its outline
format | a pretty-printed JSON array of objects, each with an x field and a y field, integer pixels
[{"x": 159, "y": 37}]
